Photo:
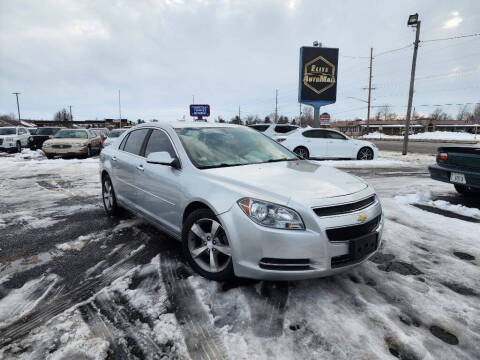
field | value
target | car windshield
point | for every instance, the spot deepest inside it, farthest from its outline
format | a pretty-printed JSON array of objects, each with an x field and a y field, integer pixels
[
  {"x": 32, "y": 131},
  {"x": 71, "y": 134},
  {"x": 46, "y": 131},
  {"x": 115, "y": 133},
  {"x": 221, "y": 147},
  {"x": 7, "y": 131}
]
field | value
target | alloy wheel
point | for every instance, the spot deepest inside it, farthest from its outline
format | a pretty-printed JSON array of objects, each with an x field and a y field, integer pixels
[
  {"x": 208, "y": 245},
  {"x": 365, "y": 154},
  {"x": 302, "y": 152},
  {"x": 107, "y": 194}
]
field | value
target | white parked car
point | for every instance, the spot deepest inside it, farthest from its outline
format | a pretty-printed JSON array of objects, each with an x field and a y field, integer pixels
[
  {"x": 274, "y": 130},
  {"x": 327, "y": 144},
  {"x": 13, "y": 138}
]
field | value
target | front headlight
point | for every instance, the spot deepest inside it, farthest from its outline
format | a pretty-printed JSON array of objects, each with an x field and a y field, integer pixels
[
  {"x": 78, "y": 145},
  {"x": 271, "y": 215},
  {"x": 9, "y": 139},
  {"x": 30, "y": 138},
  {"x": 46, "y": 144}
]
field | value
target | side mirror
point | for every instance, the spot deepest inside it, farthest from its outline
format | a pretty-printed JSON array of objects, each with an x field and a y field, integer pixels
[{"x": 163, "y": 158}]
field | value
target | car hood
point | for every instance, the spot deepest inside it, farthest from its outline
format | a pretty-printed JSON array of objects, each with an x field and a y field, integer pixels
[{"x": 300, "y": 181}]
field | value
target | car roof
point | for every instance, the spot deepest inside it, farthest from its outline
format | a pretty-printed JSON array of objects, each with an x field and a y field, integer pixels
[{"x": 187, "y": 124}]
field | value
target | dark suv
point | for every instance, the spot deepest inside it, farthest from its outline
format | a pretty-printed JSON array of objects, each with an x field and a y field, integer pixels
[{"x": 35, "y": 141}]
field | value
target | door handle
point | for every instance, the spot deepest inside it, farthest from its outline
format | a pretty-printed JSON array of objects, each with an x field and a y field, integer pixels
[
  {"x": 114, "y": 158},
  {"x": 140, "y": 167}
]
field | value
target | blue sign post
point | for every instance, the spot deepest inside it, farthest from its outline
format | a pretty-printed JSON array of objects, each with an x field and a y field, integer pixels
[
  {"x": 199, "y": 111},
  {"x": 318, "y": 78}
]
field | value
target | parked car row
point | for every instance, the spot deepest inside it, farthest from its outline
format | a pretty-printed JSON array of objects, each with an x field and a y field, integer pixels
[{"x": 310, "y": 143}]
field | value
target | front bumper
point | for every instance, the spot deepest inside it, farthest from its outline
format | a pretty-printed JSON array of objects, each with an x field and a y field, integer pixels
[
  {"x": 442, "y": 173},
  {"x": 6, "y": 146},
  {"x": 298, "y": 254},
  {"x": 65, "y": 152}
]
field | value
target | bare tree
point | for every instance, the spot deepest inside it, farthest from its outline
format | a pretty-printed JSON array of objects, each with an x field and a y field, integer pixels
[
  {"x": 463, "y": 113},
  {"x": 249, "y": 120},
  {"x": 307, "y": 116},
  {"x": 62, "y": 115},
  {"x": 236, "y": 120},
  {"x": 283, "y": 119},
  {"x": 476, "y": 113},
  {"x": 385, "y": 113}
]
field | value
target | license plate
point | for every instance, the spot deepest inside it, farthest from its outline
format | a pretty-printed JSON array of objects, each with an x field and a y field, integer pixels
[
  {"x": 457, "y": 178},
  {"x": 359, "y": 248}
]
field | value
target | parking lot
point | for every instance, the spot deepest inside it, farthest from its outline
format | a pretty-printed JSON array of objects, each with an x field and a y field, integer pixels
[{"x": 75, "y": 284}]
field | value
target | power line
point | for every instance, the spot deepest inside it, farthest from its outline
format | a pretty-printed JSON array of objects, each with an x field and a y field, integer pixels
[
  {"x": 453, "y": 37},
  {"x": 430, "y": 105},
  {"x": 393, "y": 50}
]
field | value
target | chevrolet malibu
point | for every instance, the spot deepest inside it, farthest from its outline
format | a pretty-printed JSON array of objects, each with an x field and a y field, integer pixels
[{"x": 240, "y": 203}]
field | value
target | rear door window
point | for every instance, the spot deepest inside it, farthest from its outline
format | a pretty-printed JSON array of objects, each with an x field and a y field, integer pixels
[
  {"x": 159, "y": 141},
  {"x": 134, "y": 142},
  {"x": 317, "y": 134},
  {"x": 335, "y": 135},
  {"x": 282, "y": 129}
]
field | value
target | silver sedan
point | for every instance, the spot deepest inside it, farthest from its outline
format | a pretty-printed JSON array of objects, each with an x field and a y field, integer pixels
[{"x": 240, "y": 203}]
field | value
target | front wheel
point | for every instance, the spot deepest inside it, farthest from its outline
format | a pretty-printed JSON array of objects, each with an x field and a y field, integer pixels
[
  {"x": 206, "y": 246},
  {"x": 108, "y": 196},
  {"x": 18, "y": 147},
  {"x": 365, "y": 153},
  {"x": 302, "y": 152},
  {"x": 467, "y": 190}
]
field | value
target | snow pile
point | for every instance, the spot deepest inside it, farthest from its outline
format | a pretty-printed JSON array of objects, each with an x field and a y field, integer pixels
[
  {"x": 434, "y": 135},
  {"x": 77, "y": 244},
  {"x": 425, "y": 198}
]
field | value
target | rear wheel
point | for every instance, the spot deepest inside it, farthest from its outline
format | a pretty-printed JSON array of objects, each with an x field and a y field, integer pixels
[
  {"x": 108, "y": 197},
  {"x": 302, "y": 151},
  {"x": 89, "y": 151},
  {"x": 365, "y": 153},
  {"x": 19, "y": 147},
  {"x": 206, "y": 246},
  {"x": 467, "y": 190}
]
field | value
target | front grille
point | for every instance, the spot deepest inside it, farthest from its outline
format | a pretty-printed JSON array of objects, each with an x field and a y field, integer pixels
[
  {"x": 354, "y": 231},
  {"x": 285, "y": 264},
  {"x": 345, "y": 208},
  {"x": 61, "y": 146}
]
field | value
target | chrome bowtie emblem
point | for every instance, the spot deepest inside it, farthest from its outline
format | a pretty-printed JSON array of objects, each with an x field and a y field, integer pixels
[{"x": 362, "y": 217}]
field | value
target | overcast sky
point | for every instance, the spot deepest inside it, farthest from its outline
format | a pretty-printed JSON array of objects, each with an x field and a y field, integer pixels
[{"x": 227, "y": 53}]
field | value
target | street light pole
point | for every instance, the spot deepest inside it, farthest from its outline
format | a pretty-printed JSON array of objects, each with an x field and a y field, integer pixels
[
  {"x": 413, "y": 21},
  {"x": 369, "y": 91},
  {"x": 18, "y": 106}
]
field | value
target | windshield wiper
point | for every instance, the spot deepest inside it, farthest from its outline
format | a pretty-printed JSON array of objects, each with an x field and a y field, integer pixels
[
  {"x": 219, "y": 166},
  {"x": 277, "y": 160}
]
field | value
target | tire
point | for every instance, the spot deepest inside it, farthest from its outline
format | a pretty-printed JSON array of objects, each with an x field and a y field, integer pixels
[
  {"x": 89, "y": 151},
  {"x": 365, "y": 153},
  {"x": 18, "y": 149},
  {"x": 49, "y": 157},
  {"x": 302, "y": 151},
  {"x": 208, "y": 254},
  {"x": 108, "y": 197},
  {"x": 467, "y": 190}
]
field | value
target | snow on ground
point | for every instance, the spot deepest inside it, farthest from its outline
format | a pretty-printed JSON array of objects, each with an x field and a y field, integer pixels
[
  {"x": 129, "y": 292},
  {"x": 385, "y": 159},
  {"x": 426, "y": 199},
  {"x": 434, "y": 135}
]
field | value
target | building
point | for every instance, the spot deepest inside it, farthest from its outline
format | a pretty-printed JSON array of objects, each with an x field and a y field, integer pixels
[{"x": 107, "y": 123}]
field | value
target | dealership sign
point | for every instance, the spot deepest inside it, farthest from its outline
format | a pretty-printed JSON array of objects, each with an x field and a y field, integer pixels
[
  {"x": 318, "y": 75},
  {"x": 199, "y": 110}
]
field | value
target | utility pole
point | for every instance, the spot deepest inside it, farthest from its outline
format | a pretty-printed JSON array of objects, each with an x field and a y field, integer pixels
[
  {"x": 300, "y": 114},
  {"x": 71, "y": 117},
  {"x": 18, "y": 106},
  {"x": 119, "y": 109},
  {"x": 369, "y": 91},
  {"x": 193, "y": 99},
  {"x": 412, "y": 21},
  {"x": 276, "y": 105},
  {"x": 239, "y": 118}
]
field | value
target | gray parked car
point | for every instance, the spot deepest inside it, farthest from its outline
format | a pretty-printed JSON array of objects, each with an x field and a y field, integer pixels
[{"x": 240, "y": 203}]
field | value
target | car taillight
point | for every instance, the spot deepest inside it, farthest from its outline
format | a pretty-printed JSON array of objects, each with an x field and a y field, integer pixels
[{"x": 442, "y": 156}]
